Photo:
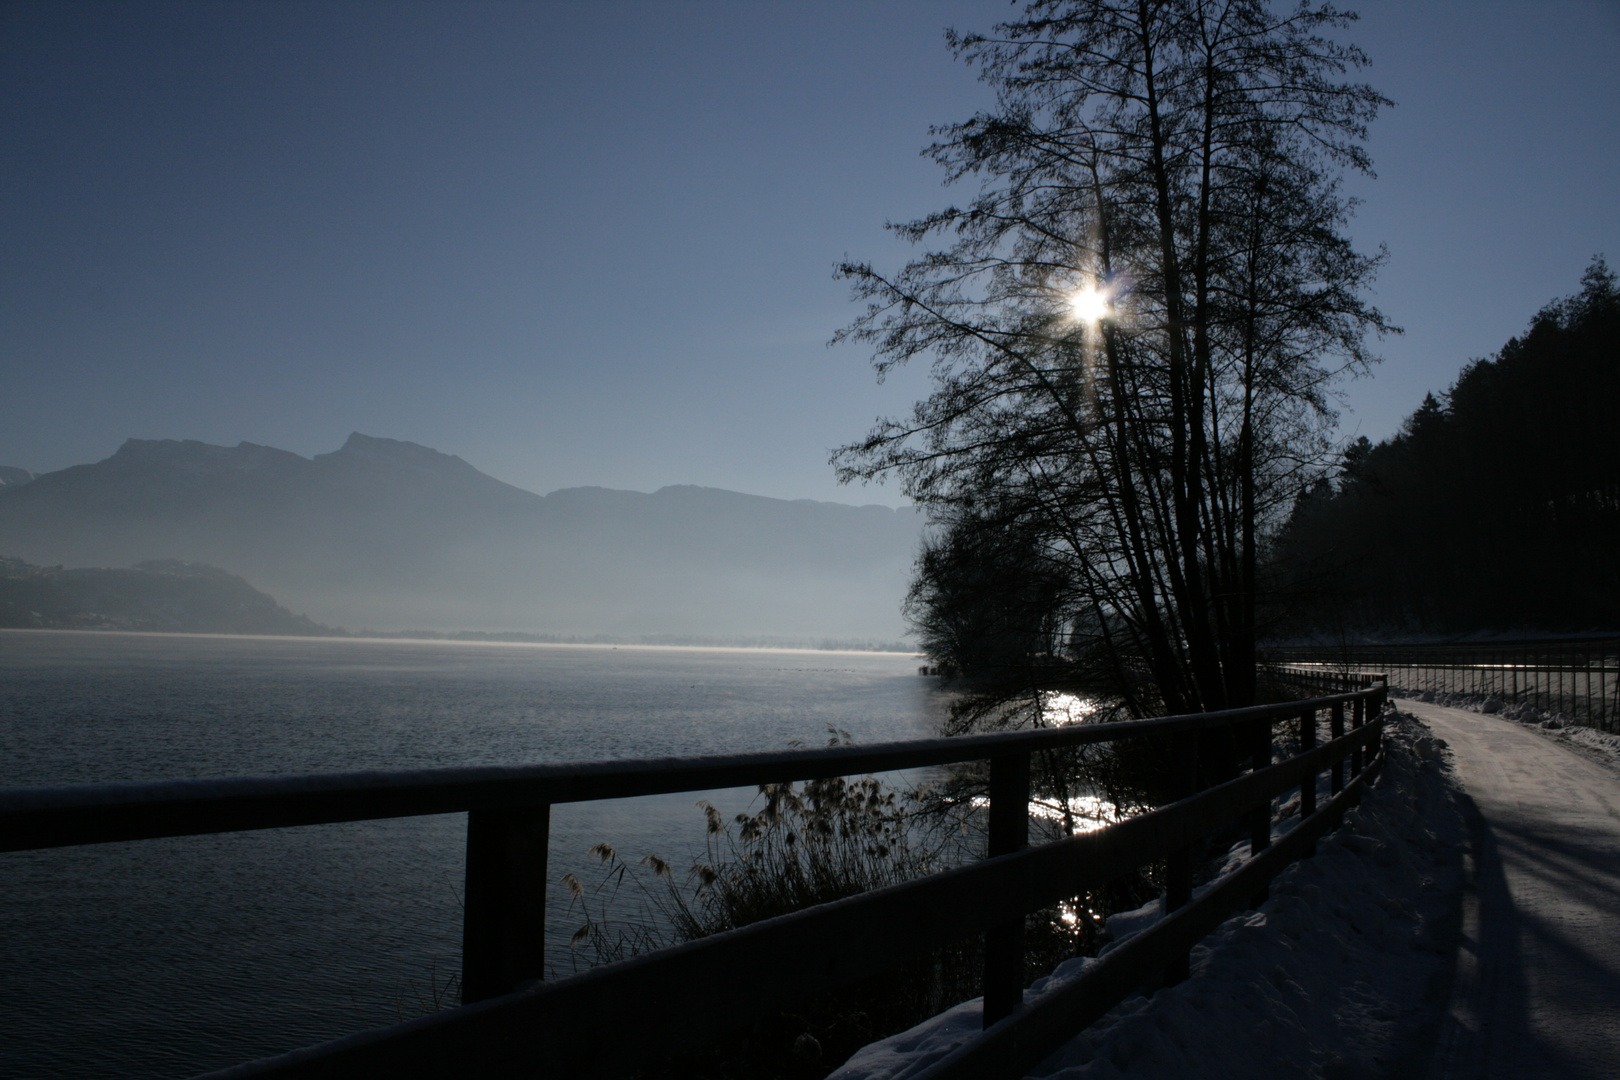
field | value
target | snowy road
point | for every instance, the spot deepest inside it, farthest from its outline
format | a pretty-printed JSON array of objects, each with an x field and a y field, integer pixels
[{"x": 1538, "y": 982}]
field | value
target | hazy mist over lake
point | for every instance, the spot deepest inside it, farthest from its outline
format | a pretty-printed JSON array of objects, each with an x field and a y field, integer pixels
[{"x": 390, "y": 535}]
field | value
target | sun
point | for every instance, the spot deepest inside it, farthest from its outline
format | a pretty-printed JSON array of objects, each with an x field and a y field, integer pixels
[{"x": 1089, "y": 304}]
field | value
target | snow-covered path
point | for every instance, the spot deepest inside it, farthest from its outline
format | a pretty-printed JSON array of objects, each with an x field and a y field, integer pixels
[
  {"x": 1342, "y": 974},
  {"x": 1538, "y": 982}
]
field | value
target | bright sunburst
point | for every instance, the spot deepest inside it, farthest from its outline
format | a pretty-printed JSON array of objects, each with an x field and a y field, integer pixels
[{"x": 1089, "y": 304}]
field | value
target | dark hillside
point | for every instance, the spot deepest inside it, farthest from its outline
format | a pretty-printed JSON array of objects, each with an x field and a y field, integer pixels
[
  {"x": 1498, "y": 506},
  {"x": 164, "y": 595}
]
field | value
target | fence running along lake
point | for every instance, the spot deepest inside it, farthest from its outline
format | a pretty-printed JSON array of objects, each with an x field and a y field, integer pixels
[
  {"x": 1576, "y": 679},
  {"x": 649, "y": 1007}
]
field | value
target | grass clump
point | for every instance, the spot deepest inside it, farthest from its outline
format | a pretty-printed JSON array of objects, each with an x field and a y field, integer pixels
[
  {"x": 805, "y": 844},
  {"x": 813, "y": 843},
  {"x": 808, "y": 844}
]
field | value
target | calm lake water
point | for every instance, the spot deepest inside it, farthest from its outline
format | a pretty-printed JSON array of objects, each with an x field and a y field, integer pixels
[{"x": 166, "y": 958}]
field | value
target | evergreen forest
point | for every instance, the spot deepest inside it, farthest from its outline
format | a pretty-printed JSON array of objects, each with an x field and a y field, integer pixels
[{"x": 1495, "y": 509}]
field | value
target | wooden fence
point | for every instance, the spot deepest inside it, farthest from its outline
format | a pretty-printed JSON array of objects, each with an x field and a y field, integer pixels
[
  {"x": 1577, "y": 679},
  {"x": 619, "y": 1016}
]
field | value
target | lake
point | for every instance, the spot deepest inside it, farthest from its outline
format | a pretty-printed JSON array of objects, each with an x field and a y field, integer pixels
[{"x": 170, "y": 957}]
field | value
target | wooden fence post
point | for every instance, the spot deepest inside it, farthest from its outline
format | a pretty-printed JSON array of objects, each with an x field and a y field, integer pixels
[
  {"x": 1535, "y": 674},
  {"x": 1307, "y": 786},
  {"x": 1358, "y": 713},
  {"x": 1609, "y": 712},
  {"x": 1589, "y": 716},
  {"x": 1336, "y": 731},
  {"x": 1178, "y": 864},
  {"x": 1260, "y": 816},
  {"x": 1375, "y": 709},
  {"x": 503, "y": 932},
  {"x": 1008, "y": 832}
]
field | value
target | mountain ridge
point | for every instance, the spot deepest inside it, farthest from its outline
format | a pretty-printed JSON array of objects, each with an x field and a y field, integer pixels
[{"x": 387, "y": 533}]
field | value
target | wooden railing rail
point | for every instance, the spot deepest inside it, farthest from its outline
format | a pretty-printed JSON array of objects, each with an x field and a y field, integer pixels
[
  {"x": 75, "y": 814},
  {"x": 579, "y": 1023},
  {"x": 1324, "y": 678},
  {"x": 513, "y": 1021}
]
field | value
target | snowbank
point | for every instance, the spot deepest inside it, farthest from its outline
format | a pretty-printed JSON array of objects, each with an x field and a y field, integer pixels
[{"x": 1344, "y": 972}]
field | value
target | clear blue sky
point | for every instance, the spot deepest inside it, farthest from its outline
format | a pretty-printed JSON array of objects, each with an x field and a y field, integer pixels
[{"x": 593, "y": 243}]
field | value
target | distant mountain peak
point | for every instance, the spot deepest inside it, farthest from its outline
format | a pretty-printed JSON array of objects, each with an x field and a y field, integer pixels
[
  {"x": 395, "y": 453},
  {"x": 11, "y": 476},
  {"x": 358, "y": 443}
]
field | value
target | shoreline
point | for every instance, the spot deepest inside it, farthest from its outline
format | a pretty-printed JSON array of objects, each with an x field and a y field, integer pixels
[{"x": 407, "y": 638}]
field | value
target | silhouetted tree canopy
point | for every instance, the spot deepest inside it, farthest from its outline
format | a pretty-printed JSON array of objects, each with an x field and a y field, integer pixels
[
  {"x": 985, "y": 600},
  {"x": 1099, "y": 491},
  {"x": 1496, "y": 508}
]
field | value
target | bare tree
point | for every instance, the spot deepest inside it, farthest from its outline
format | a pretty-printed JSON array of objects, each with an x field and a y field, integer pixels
[{"x": 1134, "y": 325}]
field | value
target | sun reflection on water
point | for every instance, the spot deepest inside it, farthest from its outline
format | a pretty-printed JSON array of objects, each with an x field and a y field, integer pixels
[
  {"x": 1058, "y": 707},
  {"x": 1087, "y": 812}
]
